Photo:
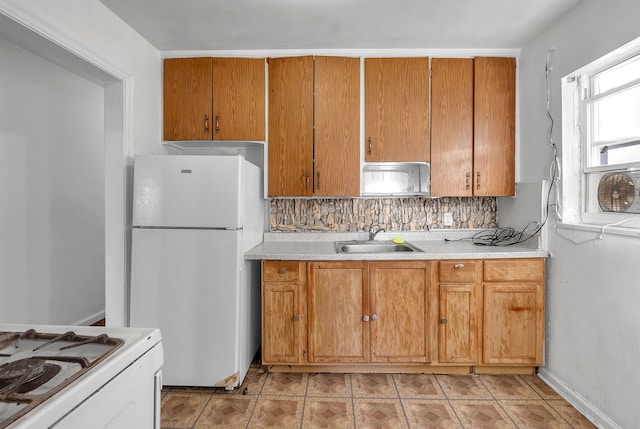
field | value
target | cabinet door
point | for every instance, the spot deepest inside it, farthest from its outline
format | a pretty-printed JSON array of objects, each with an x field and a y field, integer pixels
[
  {"x": 290, "y": 151},
  {"x": 451, "y": 126},
  {"x": 458, "y": 323},
  {"x": 283, "y": 312},
  {"x": 188, "y": 98},
  {"x": 513, "y": 325},
  {"x": 238, "y": 99},
  {"x": 338, "y": 300},
  {"x": 494, "y": 126},
  {"x": 337, "y": 127},
  {"x": 399, "y": 319},
  {"x": 460, "y": 307},
  {"x": 396, "y": 109},
  {"x": 282, "y": 323}
]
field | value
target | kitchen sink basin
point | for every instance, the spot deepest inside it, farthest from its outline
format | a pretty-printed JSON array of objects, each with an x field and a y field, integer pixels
[{"x": 374, "y": 247}]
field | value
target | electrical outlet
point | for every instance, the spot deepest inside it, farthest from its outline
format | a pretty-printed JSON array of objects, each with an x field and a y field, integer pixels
[{"x": 448, "y": 219}]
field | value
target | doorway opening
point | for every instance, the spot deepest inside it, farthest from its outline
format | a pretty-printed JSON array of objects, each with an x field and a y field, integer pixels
[{"x": 116, "y": 153}]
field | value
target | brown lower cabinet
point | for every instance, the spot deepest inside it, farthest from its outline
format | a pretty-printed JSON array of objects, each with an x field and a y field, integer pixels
[
  {"x": 400, "y": 311},
  {"x": 284, "y": 310},
  {"x": 458, "y": 284},
  {"x": 338, "y": 297},
  {"x": 513, "y": 316},
  {"x": 467, "y": 313}
]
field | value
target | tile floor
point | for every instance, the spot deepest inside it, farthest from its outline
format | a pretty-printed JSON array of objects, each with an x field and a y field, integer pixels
[{"x": 385, "y": 401}]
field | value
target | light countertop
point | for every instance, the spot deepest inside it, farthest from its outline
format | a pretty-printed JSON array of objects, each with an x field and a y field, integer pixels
[{"x": 320, "y": 246}]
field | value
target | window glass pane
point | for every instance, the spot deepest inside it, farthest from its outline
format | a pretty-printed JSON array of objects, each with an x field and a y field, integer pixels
[
  {"x": 611, "y": 155},
  {"x": 616, "y": 76},
  {"x": 616, "y": 117}
]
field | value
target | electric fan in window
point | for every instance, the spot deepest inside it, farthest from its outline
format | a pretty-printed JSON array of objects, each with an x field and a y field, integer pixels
[{"x": 616, "y": 192}]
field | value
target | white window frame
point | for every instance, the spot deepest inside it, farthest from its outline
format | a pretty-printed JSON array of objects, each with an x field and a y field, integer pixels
[{"x": 573, "y": 187}]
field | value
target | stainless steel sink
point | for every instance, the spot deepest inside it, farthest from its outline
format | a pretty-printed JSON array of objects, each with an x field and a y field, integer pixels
[{"x": 374, "y": 247}]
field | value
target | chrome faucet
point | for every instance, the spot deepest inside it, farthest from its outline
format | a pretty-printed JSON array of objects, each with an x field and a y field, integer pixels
[{"x": 373, "y": 232}]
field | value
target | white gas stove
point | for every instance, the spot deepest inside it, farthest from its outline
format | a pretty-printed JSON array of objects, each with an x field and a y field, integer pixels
[{"x": 79, "y": 377}]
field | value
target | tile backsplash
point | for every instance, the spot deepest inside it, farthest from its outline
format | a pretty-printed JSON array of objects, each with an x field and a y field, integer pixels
[{"x": 394, "y": 214}]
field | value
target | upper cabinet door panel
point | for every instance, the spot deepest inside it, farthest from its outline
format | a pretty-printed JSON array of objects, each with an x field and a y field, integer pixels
[
  {"x": 238, "y": 99},
  {"x": 187, "y": 98},
  {"x": 396, "y": 109},
  {"x": 337, "y": 126},
  {"x": 494, "y": 126},
  {"x": 290, "y": 126},
  {"x": 451, "y": 126}
]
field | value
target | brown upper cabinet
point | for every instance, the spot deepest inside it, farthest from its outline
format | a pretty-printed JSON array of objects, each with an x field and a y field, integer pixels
[
  {"x": 337, "y": 127},
  {"x": 452, "y": 126},
  {"x": 188, "y": 88},
  {"x": 314, "y": 125},
  {"x": 494, "y": 122},
  {"x": 214, "y": 98},
  {"x": 290, "y": 126},
  {"x": 396, "y": 109},
  {"x": 473, "y": 126}
]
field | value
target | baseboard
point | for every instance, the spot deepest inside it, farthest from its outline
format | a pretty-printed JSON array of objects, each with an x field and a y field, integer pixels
[
  {"x": 585, "y": 407},
  {"x": 91, "y": 319}
]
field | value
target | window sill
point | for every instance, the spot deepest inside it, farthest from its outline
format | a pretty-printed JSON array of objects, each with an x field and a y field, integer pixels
[{"x": 600, "y": 229}]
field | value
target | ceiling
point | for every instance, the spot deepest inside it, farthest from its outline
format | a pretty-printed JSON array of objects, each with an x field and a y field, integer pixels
[{"x": 185, "y": 25}]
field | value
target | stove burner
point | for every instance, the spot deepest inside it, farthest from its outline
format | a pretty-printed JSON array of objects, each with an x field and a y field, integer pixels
[
  {"x": 28, "y": 368},
  {"x": 49, "y": 371},
  {"x": 25, "y": 375}
]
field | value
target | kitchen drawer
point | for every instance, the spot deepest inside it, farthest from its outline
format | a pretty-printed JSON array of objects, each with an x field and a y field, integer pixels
[
  {"x": 457, "y": 271},
  {"x": 514, "y": 270},
  {"x": 283, "y": 271}
]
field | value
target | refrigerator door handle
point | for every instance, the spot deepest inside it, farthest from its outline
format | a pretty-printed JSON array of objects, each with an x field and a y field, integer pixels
[{"x": 227, "y": 228}]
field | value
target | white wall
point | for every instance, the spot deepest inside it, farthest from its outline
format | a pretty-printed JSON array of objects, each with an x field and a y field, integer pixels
[
  {"x": 99, "y": 39},
  {"x": 51, "y": 192},
  {"x": 593, "y": 332},
  {"x": 103, "y": 39}
]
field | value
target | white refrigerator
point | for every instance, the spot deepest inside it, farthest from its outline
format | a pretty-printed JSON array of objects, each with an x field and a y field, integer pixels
[{"x": 194, "y": 217}]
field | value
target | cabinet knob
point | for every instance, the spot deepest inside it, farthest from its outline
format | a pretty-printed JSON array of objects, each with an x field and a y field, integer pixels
[
  {"x": 296, "y": 318},
  {"x": 443, "y": 320},
  {"x": 365, "y": 318},
  {"x": 458, "y": 266},
  {"x": 374, "y": 316},
  {"x": 282, "y": 270},
  {"x": 468, "y": 181},
  {"x": 206, "y": 122},
  {"x": 478, "y": 180},
  {"x": 369, "y": 148},
  {"x": 217, "y": 123}
]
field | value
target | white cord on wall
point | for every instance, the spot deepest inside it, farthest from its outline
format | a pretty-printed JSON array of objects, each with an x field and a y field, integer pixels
[
  {"x": 600, "y": 236},
  {"x": 554, "y": 167}
]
